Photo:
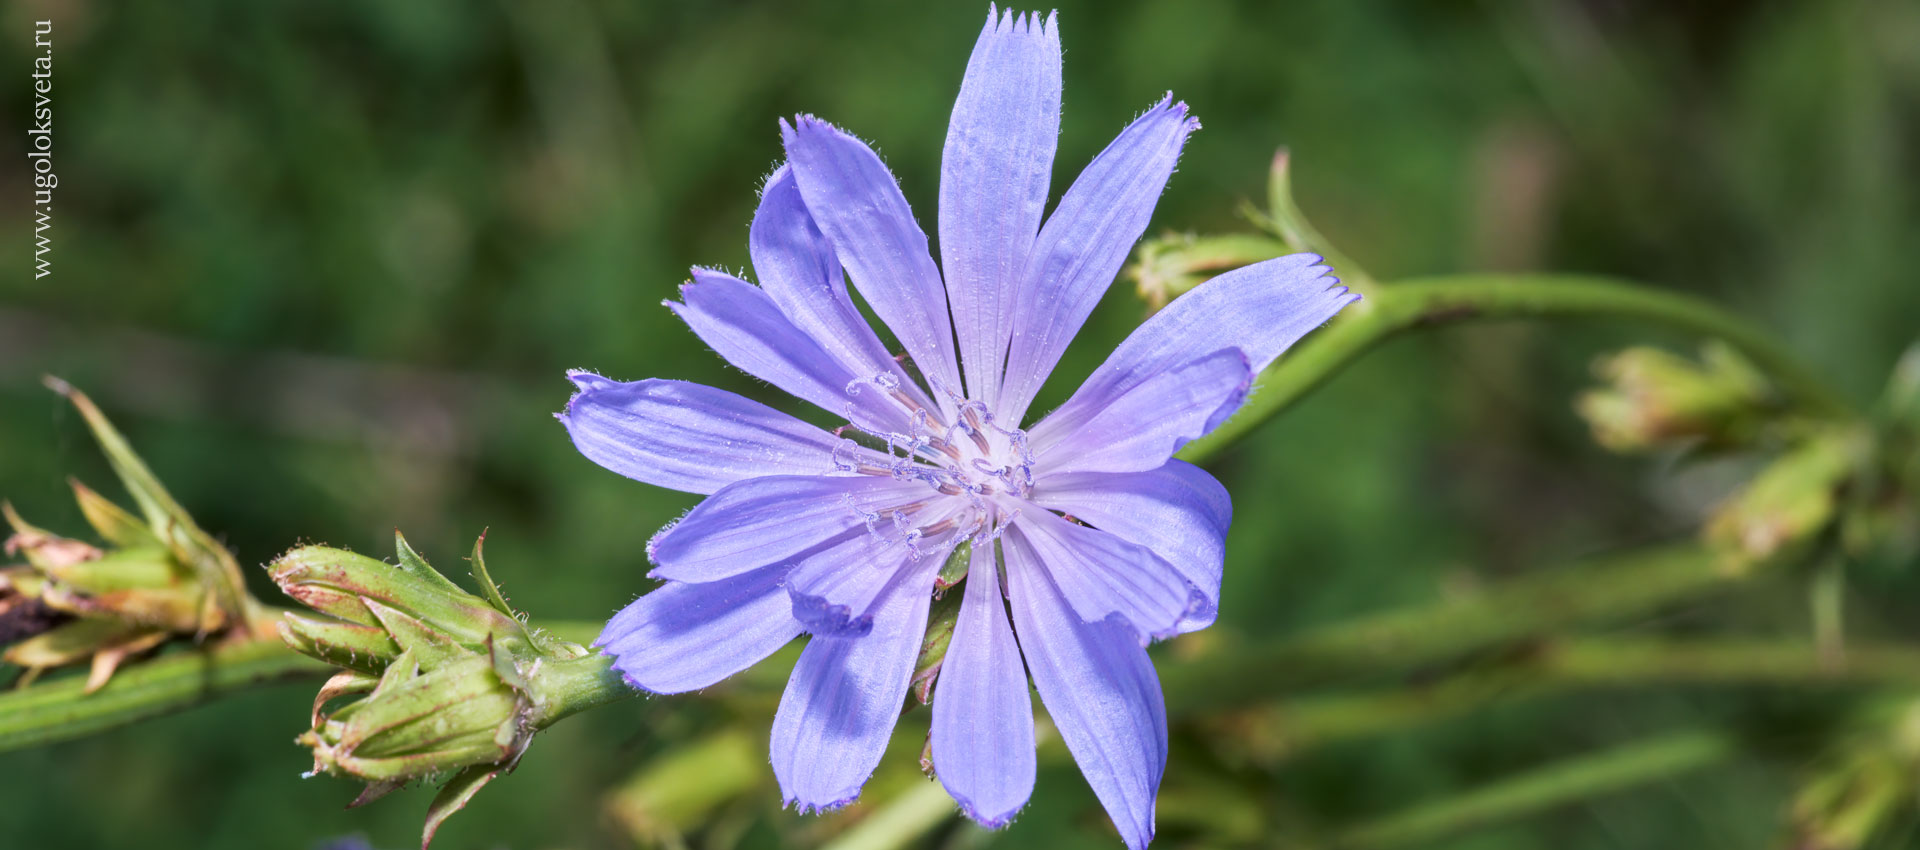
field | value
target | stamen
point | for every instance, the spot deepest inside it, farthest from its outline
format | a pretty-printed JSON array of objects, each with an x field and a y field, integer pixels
[
  {"x": 844, "y": 444},
  {"x": 977, "y": 417},
  {"x": 870, "y": 518}
]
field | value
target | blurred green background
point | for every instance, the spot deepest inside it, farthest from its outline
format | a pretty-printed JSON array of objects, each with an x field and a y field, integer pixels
[{"x": 326, "y": 263}]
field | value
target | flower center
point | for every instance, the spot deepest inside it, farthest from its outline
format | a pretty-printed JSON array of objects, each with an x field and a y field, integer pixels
[{"x": 975, "y": 468}]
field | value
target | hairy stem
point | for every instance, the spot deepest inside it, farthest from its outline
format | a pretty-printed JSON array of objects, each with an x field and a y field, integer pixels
[{"x": 1391, "y": 309}]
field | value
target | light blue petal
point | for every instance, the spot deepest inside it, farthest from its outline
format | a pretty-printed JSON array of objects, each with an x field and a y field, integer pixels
[
  {"x": 1083, "y": 245},
  {"x": 858, "y": 205},
  {"x": 982, "y": 735},
  {"x": 1141, "y": 428},
  {"x": 1101, "y": 691},
  {"x": 835, "y": 589},
  {"x": 798, "y": 270},
  {"x": 1102, "y": 575},
  {"x": 763, "y": 521},
  {"x": 994, "y": 179},
  {"x": 1178, "y": 511},
  {"x": 693, "y": 437},
  {"x": 745, "y": 327},
  {"x": 840, "y": 706},
  {"x": 684, "y": 637}
]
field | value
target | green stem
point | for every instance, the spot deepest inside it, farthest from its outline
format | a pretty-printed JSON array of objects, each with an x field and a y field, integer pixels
[
  {"x": 1391, "y": 309},
  {"x": 1541, "y": 604},
  {"x": 60, "y": 710},
  {"x": 576, "y": 685},
  {"x": 1568, "y": 781}
]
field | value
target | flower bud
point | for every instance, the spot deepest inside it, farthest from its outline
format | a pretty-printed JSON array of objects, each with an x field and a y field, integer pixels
[
  {"x": 1790, "y": 502},
  {"x": 369, "y": 597},
  {"x": 1654, "y": 399},
  {"x": 1858, "y": 789},
  {"x": 438, "y": 680},
  {"x": 418, "y": 721},
  {"x": 1167, "y": 267},
  {"x": 158, "y": 576}
]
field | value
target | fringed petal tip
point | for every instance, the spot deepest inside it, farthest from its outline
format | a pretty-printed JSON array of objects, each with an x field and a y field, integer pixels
[
  {"x": 987, "y": 821},
  {"x": 653, "y": 547},
  {"x": 806, "y": 122},
  {"x": 584, "y": 382},
  {"x": 802, "y": 807},
  {"x": 1010, "y": 22},
  {"x": 1177, "y": 109}
]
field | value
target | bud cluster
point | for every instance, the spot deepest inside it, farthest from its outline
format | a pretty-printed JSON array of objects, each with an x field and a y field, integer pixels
[
  {"x": 436, "y": 681},
  {"x": 157, "y": 576},
  {"x": 1655, "y": 399}
]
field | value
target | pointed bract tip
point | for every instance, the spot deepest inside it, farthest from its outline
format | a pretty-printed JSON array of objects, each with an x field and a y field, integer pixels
[{"x": 57, "y": 385}]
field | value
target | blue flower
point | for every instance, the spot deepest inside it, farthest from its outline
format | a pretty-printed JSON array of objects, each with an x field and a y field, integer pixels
[{"x": 1087, "y": 539}]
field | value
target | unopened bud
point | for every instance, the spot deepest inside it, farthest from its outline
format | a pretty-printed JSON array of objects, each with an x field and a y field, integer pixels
[
  {"x": 438, "y": 680},
  {"x": 1857, "y": 790},
  {"x": 1169, "y": 266},
  {"x": 158, "y": 576},
  {"x": 1792, "y": 500},
  {"x": 417, "y": 722},
  {"x": 349, "y": 587},
  {"x": 1654, "y": 398}
]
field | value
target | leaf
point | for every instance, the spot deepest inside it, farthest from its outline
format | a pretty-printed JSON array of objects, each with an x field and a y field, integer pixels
[
  {"x": 433, "y": 648},
  {"x": 415, "y": 565},
  {"x": 487, "y": 586},
  {"x": 376, "y": 790},
  {"x": 112, "y": 522},
  {"x": 108, "y": 658},
  {"x": 454, "y": 796},
  {"x": 933, "y": 648},
  {"x": 155, "y": 502},
  {"x": 71, "y": 642},
  {"x": 1169, "y": 266},
  {"x": 1284, "y": 218},
  {"x": 954, "y": 569},
  {"x": 343, "y": 683}
]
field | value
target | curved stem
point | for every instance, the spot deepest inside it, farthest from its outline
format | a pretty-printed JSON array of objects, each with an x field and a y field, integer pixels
[
  {"x": 61, "y": 709},
  {"x": 1391, "y": 309}
]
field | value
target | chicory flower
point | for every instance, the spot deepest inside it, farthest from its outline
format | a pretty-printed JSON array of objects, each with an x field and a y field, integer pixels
[{"x": 1086, "y": 539}]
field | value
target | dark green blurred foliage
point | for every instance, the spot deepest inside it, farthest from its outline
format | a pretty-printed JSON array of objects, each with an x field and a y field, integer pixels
[{"x": 325, "y": 264}]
